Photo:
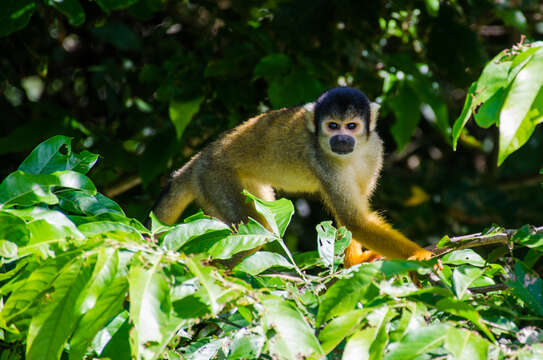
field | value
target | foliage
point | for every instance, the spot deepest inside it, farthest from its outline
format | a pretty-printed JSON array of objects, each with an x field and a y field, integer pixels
[
  {"x": 80, "y": 278},
  {"x": 147, "y": 83}
]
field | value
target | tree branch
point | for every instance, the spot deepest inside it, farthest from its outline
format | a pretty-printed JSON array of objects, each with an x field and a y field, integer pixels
[{"x": 479, "y": 239}]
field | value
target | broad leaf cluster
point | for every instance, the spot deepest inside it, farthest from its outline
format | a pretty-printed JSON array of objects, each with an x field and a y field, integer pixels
[{"x": 80, "y": 279}]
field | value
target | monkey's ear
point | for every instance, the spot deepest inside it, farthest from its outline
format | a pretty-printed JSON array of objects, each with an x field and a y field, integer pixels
[
  {"x": 374, "y": 113},
  {"x": 310, "y": 116}
]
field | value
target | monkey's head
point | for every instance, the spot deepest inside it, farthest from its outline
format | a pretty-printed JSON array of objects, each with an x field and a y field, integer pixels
[{"x": 343, "y": 118}]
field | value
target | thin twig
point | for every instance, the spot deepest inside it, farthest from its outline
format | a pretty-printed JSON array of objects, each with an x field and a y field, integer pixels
[{"x": 489, "y": 288}]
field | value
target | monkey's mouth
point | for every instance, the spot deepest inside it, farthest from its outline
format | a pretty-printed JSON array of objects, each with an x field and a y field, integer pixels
[{"x": 342, "y": 144}]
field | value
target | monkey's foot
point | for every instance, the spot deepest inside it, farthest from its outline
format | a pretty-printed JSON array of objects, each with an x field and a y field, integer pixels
[{"x": 421, "y": 254}]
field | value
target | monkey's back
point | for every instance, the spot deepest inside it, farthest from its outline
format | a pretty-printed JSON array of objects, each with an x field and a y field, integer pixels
[{"x": 253, "y": 149}]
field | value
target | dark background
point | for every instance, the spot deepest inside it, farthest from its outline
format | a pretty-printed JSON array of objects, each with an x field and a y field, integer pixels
[{"x": 111, "y": 74}]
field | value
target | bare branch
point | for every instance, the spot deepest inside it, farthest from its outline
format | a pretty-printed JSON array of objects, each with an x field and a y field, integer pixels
[
  {"x": 479, "y": 239},
  {"x": 489, "y": 288}
]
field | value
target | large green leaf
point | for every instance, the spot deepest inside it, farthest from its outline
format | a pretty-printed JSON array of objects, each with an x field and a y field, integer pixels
[
  {"x": 81, "y": 202},
  {"x": 273, "y": 65},
  {"x": 55, "y": 154},
  {"x": 522, "y": 108},
  {"x": 20, "y": 188},
  {"x": 52, "y": 325},
  {"x": 277, "y": 213},
  {"x": 15, "y": 15},
  {"x": 182, "y": 112},
  {"x": 297, "y": 87},
  {"x": 183, "y": 233},
  {"x": 332, "y": 243},
  {"x": 465, "y": 310},
  {"x": 151, "y": 312},
  {"x": 293, "y": 337}
]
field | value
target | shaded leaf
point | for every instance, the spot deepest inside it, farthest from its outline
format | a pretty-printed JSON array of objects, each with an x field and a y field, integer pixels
[
  {"x": 15, "y": 15},
  {"x": 72, "y": 9},
  {"x": 182, "y": 112},
  {"x": 528, "y": 287}
]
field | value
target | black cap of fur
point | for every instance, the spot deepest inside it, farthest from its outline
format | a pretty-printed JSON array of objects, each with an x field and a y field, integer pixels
[{"x": 338, "y": 101}]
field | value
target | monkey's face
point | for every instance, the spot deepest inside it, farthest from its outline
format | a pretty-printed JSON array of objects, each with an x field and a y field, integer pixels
[{"x": 340, "y": 136}]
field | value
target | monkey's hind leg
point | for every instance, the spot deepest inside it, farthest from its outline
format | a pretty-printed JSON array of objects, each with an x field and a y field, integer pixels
[{"x": 354, "y": 254}]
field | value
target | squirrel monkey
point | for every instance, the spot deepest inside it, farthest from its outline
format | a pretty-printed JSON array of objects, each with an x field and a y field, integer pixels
[{"x": 329, "y": 147}]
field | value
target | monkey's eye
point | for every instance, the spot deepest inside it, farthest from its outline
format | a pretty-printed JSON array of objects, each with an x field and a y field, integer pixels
[
  {"x": 333, "y": 126},
  {"x": 352, "y": 126}
]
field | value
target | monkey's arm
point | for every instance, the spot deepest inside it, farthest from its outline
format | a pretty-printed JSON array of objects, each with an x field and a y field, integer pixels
[
  {"x": 370, "y": 231},
  {"x": 375, "y": 234}
]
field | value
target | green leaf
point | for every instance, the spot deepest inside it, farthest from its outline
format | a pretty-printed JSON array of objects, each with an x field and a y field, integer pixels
[
  {"x": 27, "y": 291},
  {"x": 151, "y": 312},
  {"x": 358, "y": 346},
  {"x": 104, "y": 336},
  {"x": 465, "y": 344},
  {"x": 183, "y": 233},
  {"x": 339, "y": 328},
  {"x": 418, "y": 341},
  {"x": 246, "y": 346},
  {"x": 118, "y": 346},
  {"x": 467, "y": 256},
  {"x": 261, "y": 261},
  {"x": 277, "y": 213},
  {"x": 432, "y": 6},
  {"x": 13, "y": 229},
  {"x": 15, "y": 15},
  {"x": 108, "y": 5},
  {"x": 464, "y": 116},
  {"x": 514, "y": 18},
  {"x": 249, "y": 236},
  {"x": 273, "y": 65},
  {"x": 72, "y": 9},
  {"x": 344, "y": 294},
  {"x": 522, "y": 109},
  {"x": 406, "y": 108},
  {"x": 489, "y": 113},
  {"x": 110, "y": 228},
  {"x": 118, "y": 34},
  {"x": 465, "y": 310},
  {"x": 463, "y": 277},
  {"x": 8, "y": 250},
  {"x": 182, "y": 112},
  {"x": 525, "y": 237},
  {"x": 23, "y": 189},
  {"x": 109, "y": 304},
  {"x": 81, "y": 202},
  {"x": 55, "y": 154},
  {"x": 293, "y": 337},
  {"x": 332, "y": 243},
  {"x": 52, "y": 325},
  {"x": 528, "y": 287},
  {"x": 214, "y": 292}
]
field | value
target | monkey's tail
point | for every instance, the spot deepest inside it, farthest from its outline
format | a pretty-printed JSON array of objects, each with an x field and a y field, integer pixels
[{"x": 175, "y": 197}]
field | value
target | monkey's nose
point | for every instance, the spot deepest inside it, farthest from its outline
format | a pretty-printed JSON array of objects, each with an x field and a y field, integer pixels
[{"x": 342, "y": 144}]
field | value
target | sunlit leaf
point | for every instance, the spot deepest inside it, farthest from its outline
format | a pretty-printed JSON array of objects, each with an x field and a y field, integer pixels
[
  {"x": 57, "y": 318},
  {"x": 417, "y": 342},
  {"x": 522, "y": 108},
  {"x": 339, "y": 328},
  {"x": 459, "y": 257},
  {"x": 183, "y": 233},
  {"x": 293, "y": 338},
  {"x": 465, "y": 344},
  {"x": 261, "y": 261},
  {"x": 463, "y": 277},
  {"x": 277, "y": 213}
]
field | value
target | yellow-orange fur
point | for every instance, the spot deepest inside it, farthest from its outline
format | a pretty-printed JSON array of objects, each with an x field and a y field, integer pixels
[{"x": 282, "y": 150}]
